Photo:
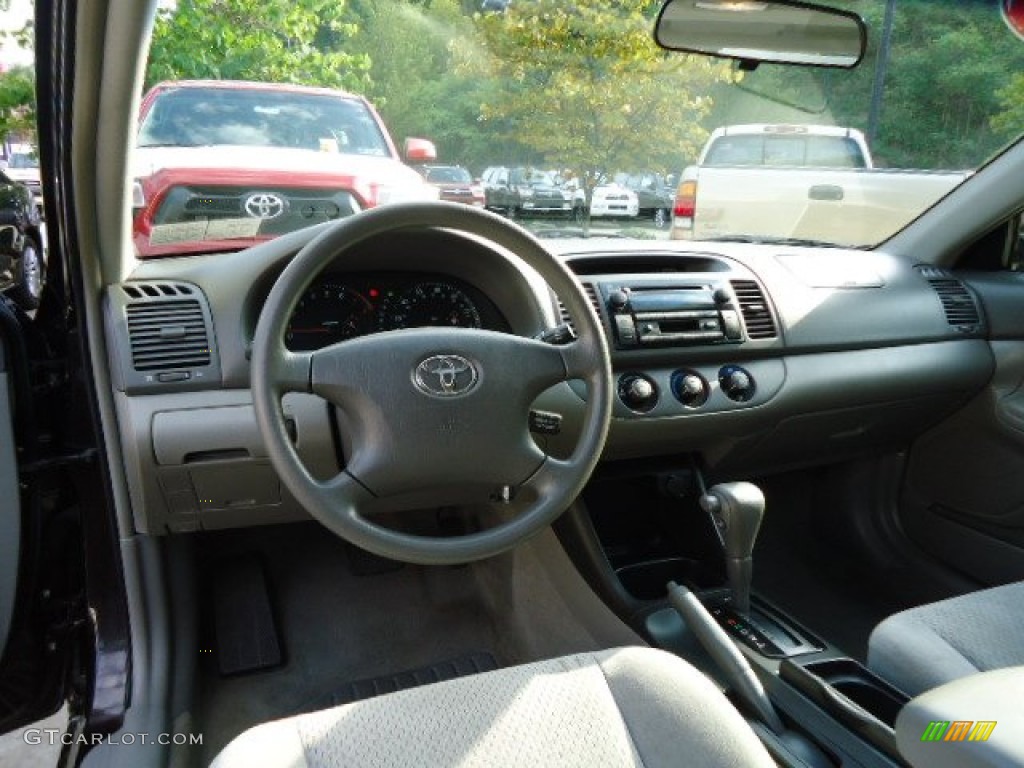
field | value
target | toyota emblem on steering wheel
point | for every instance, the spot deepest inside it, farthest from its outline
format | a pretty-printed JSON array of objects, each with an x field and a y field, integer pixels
[{"x": 445, "y": 375}]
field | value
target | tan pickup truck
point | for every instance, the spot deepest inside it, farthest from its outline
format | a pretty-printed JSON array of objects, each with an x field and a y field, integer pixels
[{"x": 807, "y": 182}]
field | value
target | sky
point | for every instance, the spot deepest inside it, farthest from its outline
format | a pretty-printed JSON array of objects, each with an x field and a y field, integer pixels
[{"x": 10, "y": 53}]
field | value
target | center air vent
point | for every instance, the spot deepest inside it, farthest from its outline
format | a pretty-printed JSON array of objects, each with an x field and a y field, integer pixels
[
  {"x": 757, "y": 315},
  {"x": 957, "y": 302},
  {"x": 167, "y": 334},
  {"x": 595, "y": 302}
]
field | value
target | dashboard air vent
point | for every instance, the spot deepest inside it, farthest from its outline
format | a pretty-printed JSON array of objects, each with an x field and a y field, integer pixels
[
  {"x": 957, "y": 302},
  {"x": 757, "y": 315},
  {"x": 142, "y": 291},
  {"x": 166, "y": 334},
  {"x": 595, "y": 302}
]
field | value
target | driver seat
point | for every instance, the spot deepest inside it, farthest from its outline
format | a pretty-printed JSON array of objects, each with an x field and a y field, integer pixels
[{"x": 620, "y": 707}]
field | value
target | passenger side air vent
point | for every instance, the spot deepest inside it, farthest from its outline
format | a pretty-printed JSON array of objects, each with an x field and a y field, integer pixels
[
  {"x": 167, "y": 334},
  {"x": 757, "y": 315},
  {"x": 591, "y": 291},
  {"x": 957, "y": 302}
]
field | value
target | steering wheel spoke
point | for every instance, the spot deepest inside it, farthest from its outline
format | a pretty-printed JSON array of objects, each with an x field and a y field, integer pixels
[
  {"x": 292, "y": 371},
  {"x": 578, "y": 359}
]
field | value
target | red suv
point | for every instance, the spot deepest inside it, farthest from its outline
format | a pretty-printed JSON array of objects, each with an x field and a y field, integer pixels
[{"x": 222, "y": 164}]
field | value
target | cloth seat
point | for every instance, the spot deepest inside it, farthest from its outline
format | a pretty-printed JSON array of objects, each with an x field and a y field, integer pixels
[
  {"x": 622, "y": 707},
  {"x": 925, "y": 647}
]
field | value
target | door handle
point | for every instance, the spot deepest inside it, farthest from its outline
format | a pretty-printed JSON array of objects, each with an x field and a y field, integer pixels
[{"x": 825, "y": 192}]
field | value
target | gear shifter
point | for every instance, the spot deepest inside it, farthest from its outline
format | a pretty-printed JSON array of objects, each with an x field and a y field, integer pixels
[{"x": 736, "y": 509}]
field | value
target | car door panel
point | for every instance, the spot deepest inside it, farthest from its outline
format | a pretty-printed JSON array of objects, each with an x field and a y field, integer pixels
[
  {"x": 10, "y": 514},
  {"x": 964, "y": 500}
]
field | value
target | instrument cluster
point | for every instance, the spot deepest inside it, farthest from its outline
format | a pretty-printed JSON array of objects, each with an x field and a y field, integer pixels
[{"x": 341, "y": 307}]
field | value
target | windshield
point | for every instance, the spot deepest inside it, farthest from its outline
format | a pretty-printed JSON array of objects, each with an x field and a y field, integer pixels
[
  {"x": 449, "y": 175},
  {"x": 839, "y": 157},
  {"x": 198, "y": 116},
  {"x": 793, "y": 151},
  {"x": 21, "y": 161}
]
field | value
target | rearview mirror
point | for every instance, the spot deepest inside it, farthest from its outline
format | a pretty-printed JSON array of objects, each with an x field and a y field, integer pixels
[{"x": 774, "y": 31}]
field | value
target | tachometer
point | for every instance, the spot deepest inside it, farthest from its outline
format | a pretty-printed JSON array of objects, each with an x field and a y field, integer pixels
[
  {"x": 429, "y": 304},
  {"x": 326, "y": 314}
]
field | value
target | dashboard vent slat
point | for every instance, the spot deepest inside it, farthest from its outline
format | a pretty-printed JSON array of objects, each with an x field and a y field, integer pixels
[
  {"x": 167, "y": 333},
  {"x": 591, "y": 290},
  {"x": 957, "y": 303},
  {"x": 757, "y": 315}
]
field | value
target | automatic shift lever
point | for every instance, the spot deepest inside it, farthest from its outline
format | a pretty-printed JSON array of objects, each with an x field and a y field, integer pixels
[{"x": 736, "y": 509}]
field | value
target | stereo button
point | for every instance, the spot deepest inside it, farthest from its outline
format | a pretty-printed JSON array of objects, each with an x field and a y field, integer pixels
[
  {"x": 731, "y": 324},
  {"x": 626, "y": 330}
]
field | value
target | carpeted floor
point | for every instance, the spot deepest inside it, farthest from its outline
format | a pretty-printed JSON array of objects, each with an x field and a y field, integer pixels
[{"x": 337, "y": 627}]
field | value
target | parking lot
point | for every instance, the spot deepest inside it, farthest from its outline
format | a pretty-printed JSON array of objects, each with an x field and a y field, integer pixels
[{"x": 555, "y": 228}]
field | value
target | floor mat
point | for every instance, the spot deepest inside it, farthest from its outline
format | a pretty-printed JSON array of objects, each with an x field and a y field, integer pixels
[{"x": 470, "y": 664}]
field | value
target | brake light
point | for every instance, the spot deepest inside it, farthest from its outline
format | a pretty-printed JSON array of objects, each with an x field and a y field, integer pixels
[{"x": 686, "y": 200}]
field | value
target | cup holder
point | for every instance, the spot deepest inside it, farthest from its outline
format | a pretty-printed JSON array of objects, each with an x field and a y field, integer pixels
[{"x": 646, "y": 580}]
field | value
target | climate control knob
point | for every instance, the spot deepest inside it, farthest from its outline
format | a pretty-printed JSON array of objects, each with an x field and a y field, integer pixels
[
  {"x": 736, "y": 383},
  {"x": 689, "y": 388},
  {"x": 638, "y": 392}
]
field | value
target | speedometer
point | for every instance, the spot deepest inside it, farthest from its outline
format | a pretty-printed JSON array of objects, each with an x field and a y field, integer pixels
[
  {"x": 429, "y": 304},
  {"x": 326, "y": 314}
]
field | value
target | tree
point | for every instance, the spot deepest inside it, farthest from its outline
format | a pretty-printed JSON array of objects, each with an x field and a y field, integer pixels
[
  {"x": 1009, "y": 121},
  {"x": 586, "y": 87},
  {"x": 18, "y": 104},
  {"x": 255, "y": 40},
  {"x": 415, "y": 81}
]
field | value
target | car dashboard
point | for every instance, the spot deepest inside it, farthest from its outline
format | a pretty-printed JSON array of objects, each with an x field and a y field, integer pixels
[{"x": 746, "y": 358}]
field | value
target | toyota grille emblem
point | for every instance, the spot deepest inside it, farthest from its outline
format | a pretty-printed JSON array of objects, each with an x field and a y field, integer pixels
[
  {"x": 445, "y": 375},
  {"x": 265, "y": 205}
]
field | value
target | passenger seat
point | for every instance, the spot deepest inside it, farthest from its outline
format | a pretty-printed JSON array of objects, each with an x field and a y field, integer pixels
[{"x": 924, "y": 647}]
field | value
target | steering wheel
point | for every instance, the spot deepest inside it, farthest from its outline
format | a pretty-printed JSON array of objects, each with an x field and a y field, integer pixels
[{"x": 431, "y": 410}]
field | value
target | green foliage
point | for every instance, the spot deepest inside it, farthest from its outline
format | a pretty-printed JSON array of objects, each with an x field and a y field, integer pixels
[
  {"x": 18, "y": 103},
  {"x": 586, "y": 88},
  {"x": 255, "y": 40},
  {"x": 1009, "y": 122},
  {"x": 413, "y": 48}
]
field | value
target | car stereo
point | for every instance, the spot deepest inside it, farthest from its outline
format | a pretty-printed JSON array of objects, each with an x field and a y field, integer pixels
[{"x": 681, "y": 314}]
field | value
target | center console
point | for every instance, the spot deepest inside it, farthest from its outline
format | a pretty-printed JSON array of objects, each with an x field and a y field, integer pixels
[{"x": 811, "y": 703}]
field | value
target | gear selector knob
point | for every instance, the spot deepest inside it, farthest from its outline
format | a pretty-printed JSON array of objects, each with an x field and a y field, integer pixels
[{"x": 736, "y": 509}]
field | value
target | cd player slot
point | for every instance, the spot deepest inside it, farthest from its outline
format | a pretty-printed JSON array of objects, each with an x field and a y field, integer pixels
[{"x": 661, "y": 327}]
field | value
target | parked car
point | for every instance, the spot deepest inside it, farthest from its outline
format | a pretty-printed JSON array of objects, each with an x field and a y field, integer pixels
[
  {"x": 522, "y": 191},
  {"x": 221, "y": 164},
  {"x": 779, "y": 180},
  {"x": 613, "y": 201},
  {"x": 455, "y": 182},
  {"x": 23, "y": 166},
  {"x": 655, "y": 195},
  {"x": 22, "y": 266}
]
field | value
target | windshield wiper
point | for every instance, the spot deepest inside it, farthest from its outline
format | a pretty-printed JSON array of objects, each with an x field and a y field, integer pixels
[{"x": 772, "y": 240}]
